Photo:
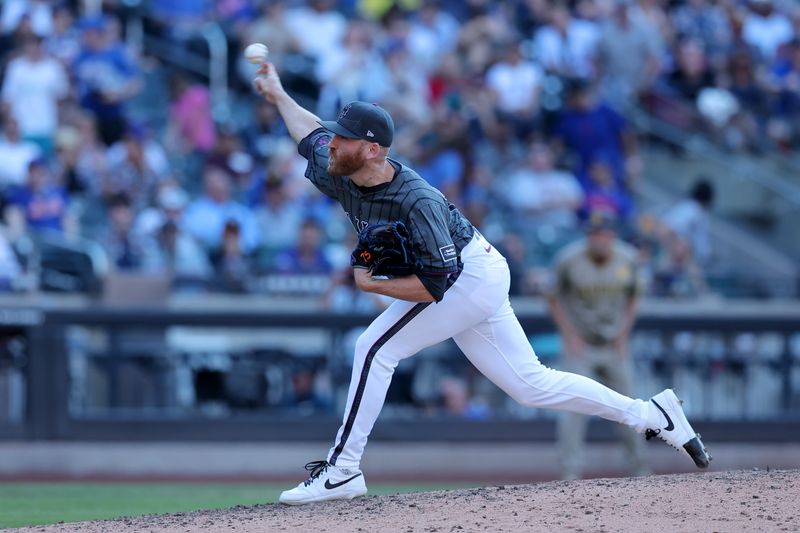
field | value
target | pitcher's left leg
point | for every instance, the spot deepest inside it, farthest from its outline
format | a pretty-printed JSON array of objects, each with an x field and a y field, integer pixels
[{"x": 499, "y": 348}]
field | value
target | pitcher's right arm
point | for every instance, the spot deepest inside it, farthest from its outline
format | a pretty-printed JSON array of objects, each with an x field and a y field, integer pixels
[{"x": 299, "y": 121}]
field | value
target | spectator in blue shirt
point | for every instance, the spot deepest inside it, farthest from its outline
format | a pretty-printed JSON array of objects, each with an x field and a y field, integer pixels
[
  {"x": 785, "y": 80},
  {"x": 589, "y": 128},
  {"x": 308, "y": 256},
  {"x": 105, "y": 76},
  {"x": 206, "y": 217},
  {"x": 602, "y": 192},
  {"x": 39, "y": 204}
]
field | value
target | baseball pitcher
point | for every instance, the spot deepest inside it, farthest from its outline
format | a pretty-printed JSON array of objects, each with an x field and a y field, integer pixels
[{"x": 458, "y": 289}]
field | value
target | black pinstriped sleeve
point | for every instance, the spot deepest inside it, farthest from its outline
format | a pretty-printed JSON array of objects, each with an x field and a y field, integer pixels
[
  {"x": 430, "y": 233},
  {"x": 314, "y": 147},
  {"x": 436, "y": 284}
]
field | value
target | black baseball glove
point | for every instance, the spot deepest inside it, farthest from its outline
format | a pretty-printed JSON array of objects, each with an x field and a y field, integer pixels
[{"x": 385, "y": 250}]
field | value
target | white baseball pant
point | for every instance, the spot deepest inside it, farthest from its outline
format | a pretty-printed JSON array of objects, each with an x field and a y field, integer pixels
[{"x": 477, "y": 314}]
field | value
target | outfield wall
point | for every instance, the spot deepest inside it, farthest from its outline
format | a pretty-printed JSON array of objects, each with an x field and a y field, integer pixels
[
  {"x": 385, "y": 462},
  {"x": 75, "y": 370}
]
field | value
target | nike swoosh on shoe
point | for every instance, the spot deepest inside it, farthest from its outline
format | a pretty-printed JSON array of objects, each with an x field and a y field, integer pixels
[
  {"x": 670, "y": 425},
  {"x": 329, "y": 485}
]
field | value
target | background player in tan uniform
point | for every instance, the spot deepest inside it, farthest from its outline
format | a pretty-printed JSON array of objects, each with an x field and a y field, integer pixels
[{"x": 593, "y": 300}]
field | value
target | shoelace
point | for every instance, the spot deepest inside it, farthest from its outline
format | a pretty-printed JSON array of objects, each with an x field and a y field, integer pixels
[
  {"x": 651, "y": 433},
  {"x": 316, "y": 468}
]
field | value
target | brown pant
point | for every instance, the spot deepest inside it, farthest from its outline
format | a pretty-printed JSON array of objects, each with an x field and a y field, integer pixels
[{"x": 603, "y": 364}]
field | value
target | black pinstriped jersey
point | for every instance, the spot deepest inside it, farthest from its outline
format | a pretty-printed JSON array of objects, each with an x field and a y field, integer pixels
[{"x": 438, "y": 229}]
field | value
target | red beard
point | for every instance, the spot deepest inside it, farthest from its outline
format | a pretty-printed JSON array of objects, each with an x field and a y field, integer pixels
[{"x": 344, "y": 164}]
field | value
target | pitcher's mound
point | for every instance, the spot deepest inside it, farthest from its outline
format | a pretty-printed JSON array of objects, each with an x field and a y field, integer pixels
[{"x": 737, "y": 501}]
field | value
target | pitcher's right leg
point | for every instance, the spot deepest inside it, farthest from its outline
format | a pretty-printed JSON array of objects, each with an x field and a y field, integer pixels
[{"x": 399, "y": 332}]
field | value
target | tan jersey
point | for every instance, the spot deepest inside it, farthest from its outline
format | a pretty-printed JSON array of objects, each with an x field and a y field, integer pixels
[{"x": 595, "y": 296}]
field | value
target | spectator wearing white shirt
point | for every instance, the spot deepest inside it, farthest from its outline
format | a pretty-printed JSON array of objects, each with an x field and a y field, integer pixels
[
  {"x": 356, "y": 72},
  {"x": 33, "y": 85},
  {"x": 270, "y": 26},
  {"x": 516, "y": 84},
  {"x": 407, "y": 95},
  {"x": 543, "y": 194},
  {"x": 318, "y": 29},
  {"x": 432, "y": 34},
  {"x": 16, "y": 155},
  {"x": 279, "y": 216},
  {"x": 566, "y": 45},
  {"x": 170, "y": 206},
  {"x": 689, "y": 220},
  {"x": 40, "y": 13},
  {"x": 766, "y": 28}
]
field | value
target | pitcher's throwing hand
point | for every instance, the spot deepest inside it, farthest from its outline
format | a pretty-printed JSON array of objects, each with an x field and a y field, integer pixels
[{"x": 268, "y": 84}]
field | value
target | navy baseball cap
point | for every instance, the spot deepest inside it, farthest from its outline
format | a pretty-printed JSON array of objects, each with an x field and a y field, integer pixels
[{"x": 362, "y": 120}]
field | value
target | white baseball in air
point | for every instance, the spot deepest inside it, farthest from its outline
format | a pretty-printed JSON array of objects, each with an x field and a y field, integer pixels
[{"x": 256, "y": 53}]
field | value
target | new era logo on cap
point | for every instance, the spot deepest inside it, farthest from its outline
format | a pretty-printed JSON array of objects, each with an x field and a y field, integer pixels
[{"x": 363, "y": 120}]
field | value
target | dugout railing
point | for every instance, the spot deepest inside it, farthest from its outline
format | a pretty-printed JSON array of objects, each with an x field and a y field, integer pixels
[{"x": 95, "y": 373}]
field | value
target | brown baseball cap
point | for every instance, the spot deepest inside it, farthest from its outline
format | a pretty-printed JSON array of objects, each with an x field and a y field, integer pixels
[{"x": 601, "y": 219}]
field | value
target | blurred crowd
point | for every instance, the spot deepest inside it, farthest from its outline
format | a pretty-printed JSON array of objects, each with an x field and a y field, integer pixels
[{"x": 516, "y": 110}]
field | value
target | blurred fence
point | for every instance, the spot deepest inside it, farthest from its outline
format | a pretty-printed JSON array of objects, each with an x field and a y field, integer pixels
[{"x": 237, "y": 373}]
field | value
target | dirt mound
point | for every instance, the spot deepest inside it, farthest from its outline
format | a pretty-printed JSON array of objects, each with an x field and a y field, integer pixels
[{"x": 720, "y": 501}]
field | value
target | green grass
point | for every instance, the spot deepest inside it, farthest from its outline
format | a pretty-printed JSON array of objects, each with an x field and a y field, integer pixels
[{"x": 27, "y": 504}]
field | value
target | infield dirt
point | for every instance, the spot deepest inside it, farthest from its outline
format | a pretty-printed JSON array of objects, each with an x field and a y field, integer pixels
[{"x": 734, "y": 501}]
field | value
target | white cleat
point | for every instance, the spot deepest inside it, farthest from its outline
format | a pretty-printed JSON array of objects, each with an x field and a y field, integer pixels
[
  {"x": 677, "y": 432},
  {"x": 326, "y": 482}
]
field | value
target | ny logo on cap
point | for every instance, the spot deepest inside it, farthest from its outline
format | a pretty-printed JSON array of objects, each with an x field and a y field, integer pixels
[
  {"x": 344, "y": 111},
  {"x": 370, "y": 134}
]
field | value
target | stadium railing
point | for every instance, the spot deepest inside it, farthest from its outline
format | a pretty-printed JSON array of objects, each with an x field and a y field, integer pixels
[{"x": 219, "y": 372}]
